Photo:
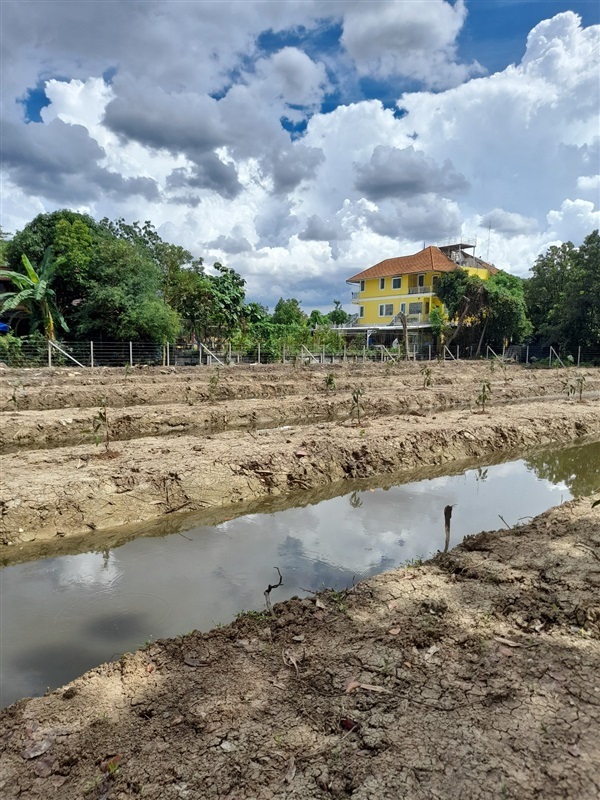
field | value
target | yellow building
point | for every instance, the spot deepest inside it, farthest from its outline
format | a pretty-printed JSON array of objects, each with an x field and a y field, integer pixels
[{"x": 406, "y": 285}]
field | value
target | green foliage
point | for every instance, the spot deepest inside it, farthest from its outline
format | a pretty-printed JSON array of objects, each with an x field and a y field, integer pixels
[
  {"x": 438, "y": 322},
  {"x": 426, "y": 373},
  {"x": 34, "y": 293},
  {"x": 11, "y": 350},
  {"x": 356, "y": 406},
  {"x": 484, "y": 395},
  {"x": 329, "y": 382},
  {"x": 123, "y": 299},
  {"x": 288, "y": 312},
  {"x": 563, "y": 295},
  {"x": 486, "y": 312},
  {"x": 101, "y": 426}
]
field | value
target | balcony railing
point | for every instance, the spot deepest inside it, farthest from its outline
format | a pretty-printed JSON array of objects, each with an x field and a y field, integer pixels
[
  {"x": 355, "y": 296},
  {"x": 421, "y": 289}
]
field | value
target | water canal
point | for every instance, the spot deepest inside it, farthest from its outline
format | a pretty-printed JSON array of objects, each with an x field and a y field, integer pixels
[{"x": 62, "y": 616}]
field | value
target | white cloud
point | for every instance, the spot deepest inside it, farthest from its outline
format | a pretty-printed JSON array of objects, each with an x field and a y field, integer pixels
[
  {"x": 414, "y": 39},
  {"x": 189, "y": 134}
]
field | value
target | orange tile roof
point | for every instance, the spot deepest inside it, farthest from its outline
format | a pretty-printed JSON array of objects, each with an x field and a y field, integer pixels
[{"x": 427, "y": 260}]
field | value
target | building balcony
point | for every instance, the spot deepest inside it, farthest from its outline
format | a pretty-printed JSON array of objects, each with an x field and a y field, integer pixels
[
  {"x": 355, "y": 297},
  {"x": 420, "y": 289}
]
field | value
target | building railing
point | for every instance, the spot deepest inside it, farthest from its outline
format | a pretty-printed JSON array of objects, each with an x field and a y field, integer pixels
[
  {"x": 355, "y": 296},
  {"x": 421, "y": 289}
]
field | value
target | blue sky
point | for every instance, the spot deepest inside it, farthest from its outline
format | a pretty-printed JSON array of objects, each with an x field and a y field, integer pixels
[{"x": 301, "y": 142}]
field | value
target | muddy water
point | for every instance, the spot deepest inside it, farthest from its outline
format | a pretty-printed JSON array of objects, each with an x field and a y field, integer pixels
[{"x": 62, "y": 616}]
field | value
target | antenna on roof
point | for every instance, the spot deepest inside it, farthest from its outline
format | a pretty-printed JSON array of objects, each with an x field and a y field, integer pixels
[{"x": 423, "y": 244}]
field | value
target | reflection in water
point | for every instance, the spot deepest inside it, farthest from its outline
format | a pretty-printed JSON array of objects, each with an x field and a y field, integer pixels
[{"x": 64, "y": 615}]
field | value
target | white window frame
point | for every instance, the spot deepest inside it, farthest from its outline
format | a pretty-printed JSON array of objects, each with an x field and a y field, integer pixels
[
  {"x": 398, "y": 280},
  {"x": 383, "y": 310},
  {"x": 381, "y": 284},
  {"x": 421, "y": 280},
  {"x": 403, "y": 308}
]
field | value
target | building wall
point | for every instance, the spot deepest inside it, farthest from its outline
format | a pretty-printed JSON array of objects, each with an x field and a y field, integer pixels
[{"x": 370, "y": 298}]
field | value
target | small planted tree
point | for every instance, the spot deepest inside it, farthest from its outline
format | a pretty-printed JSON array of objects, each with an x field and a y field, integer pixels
[
  {"x": 426, "y": 373},
  {"x": 484, "y": 395},
  {"x": 357, "y": 406}
]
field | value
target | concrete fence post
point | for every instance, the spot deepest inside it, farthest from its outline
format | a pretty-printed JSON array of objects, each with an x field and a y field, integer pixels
[
  {"x": 345, "y": 354},
  {"x": 91, "y": 354},
  {"x": 258, "y": 351},
  {"x": 457, "y": 352},
  {"x": 364, "y": 354},
  {"x": 578, "y": 355},
  {"x": 283, "y": 354},
  {"x": 430, "y": 352},
  {"x": 230, "y": 352},
  {"x": 49, "y": 353},
  {"x": 131, "y": 354},
  {"x": 527, "y": 355},
  {"x": 323, "y": 355}
]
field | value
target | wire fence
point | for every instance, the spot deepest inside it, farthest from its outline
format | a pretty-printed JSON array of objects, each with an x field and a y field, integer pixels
[{"x": 135, "y": 354}]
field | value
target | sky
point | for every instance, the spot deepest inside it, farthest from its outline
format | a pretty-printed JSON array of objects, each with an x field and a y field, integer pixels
[{"x": 300, "y": 142}]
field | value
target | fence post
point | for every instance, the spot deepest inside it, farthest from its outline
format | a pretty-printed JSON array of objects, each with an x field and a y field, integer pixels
[
  {"x": 550, "y": 358},
  {"x": 283, "y": 353},
  {"x": 578, "y": 355},
  {"x": 230, "y": 352},
  {"x": 364, "y": 354},
  {"x": 258, "y": 349},
  {"x": 323, "y": 355},
  {"x": 527, "y": 355},
  {"x": 430, "y": 352},
  {"x": 91, "y": 354},
  {"x": 344, "y": 354},
  {"x": 503, "y": 351},
  {"x": 130, "y": 354},
  {"x": 168, "y": 355},
  {"x": 457, "y": 352},
  {"x": 49, "y": 354}
]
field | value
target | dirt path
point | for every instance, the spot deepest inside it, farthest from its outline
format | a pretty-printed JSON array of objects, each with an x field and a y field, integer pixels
[{"x": 473, "y": 676}]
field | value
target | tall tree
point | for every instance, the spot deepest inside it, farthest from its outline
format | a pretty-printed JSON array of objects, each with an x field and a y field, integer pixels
[{"x": 288, "y": 312}]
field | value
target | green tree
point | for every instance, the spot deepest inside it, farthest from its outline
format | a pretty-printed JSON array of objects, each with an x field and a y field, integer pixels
[
  {"x": 545, "y": 292},
  {"x": 563, "y": 295},
  {"x": 288, "y": 312},
  {"x": 124, "y": 296},
  {"x": 492, "y": 311},
  {"x": 338, "y": 316},
  {"x": 35, "y": 294}
]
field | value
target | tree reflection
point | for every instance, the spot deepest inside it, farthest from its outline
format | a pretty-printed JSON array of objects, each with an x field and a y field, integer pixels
[{"x": 578, "y": 467}]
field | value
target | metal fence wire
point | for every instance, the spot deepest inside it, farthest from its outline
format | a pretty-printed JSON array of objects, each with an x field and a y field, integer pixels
[{"x": 135, "y": 354}]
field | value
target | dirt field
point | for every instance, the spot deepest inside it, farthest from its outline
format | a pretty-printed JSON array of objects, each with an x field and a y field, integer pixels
[
  {"x": 473, "y": 676},
  {"x": 184, "y": 440}
]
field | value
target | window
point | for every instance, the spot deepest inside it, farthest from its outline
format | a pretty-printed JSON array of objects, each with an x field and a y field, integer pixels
[
  {"x": 386, "y": 309},
  {"x": 362, "y": 286},
  {"x": 382, "y": 283},
  {"x": 361, "y": 313},
  {"x": 396, "y": 283},
  {"x": 421, "y": 280},
  {"x": 415, "y": 308},
  {"x": 427, "y": 307},
  {"x": 403, "y": 308}
]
